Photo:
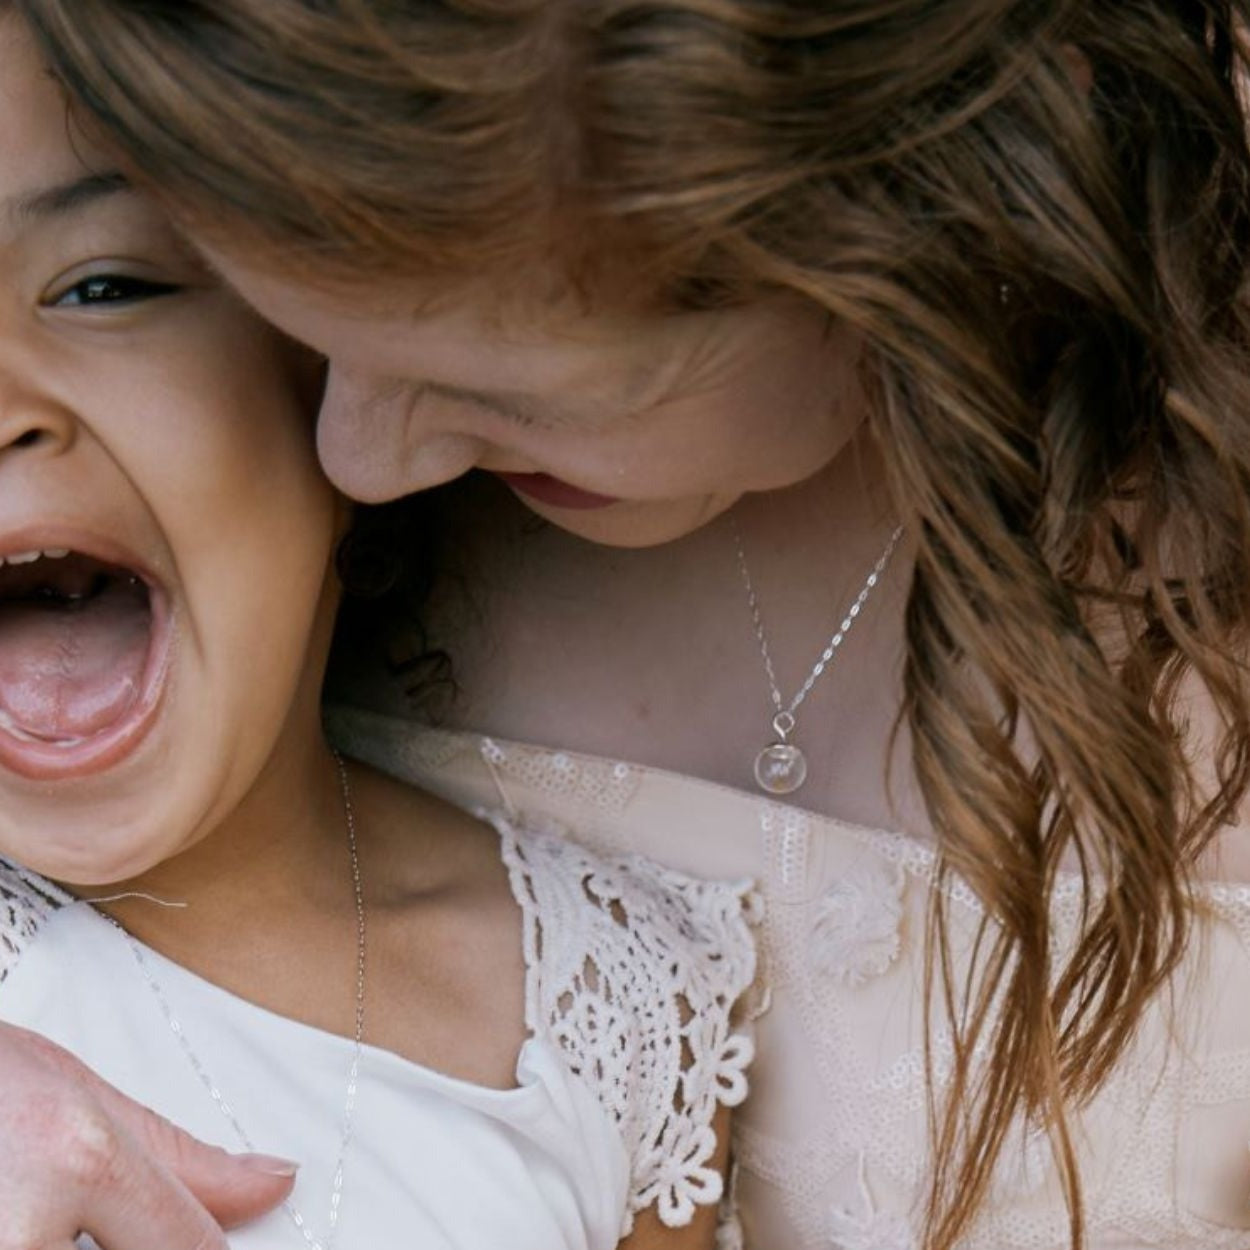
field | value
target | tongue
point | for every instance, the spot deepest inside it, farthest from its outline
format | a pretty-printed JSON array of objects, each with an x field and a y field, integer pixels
[{"x": 69, "y": 672}]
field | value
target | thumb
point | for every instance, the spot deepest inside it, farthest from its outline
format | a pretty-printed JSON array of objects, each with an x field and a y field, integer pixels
[{"x": 234, "y": 1189}]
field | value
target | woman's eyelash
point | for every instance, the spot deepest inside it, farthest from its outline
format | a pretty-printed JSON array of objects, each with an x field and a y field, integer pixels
[
  {"x": 103, "y": 289},
  {"x": 525, "y": 420}
]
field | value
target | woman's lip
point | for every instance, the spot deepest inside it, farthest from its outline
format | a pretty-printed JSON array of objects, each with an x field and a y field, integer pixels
[{"x": 551, "y": 490}]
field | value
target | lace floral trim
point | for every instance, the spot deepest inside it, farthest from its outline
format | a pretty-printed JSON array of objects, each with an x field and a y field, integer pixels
[
  {"x": 633, "y": 972},
  {"x": 26, "y": 902},
  {"x": 1231, "y": 903},
  {"x": 856, "y": 934}
]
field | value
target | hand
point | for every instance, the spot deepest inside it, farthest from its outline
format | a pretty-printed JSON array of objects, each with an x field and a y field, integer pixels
[{"x": 78, "y": 1157}]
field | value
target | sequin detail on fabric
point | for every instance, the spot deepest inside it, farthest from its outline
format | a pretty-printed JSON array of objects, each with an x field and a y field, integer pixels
[
  {"x": 594, "y": 783},
  {"x": 633, "y": 973}
]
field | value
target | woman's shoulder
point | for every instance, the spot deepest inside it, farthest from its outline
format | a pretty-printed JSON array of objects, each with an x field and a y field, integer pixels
[{"x": 636, "y": 974}]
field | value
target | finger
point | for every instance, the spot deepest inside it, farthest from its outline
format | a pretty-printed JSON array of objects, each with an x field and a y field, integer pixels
[
  {"x": 77, "y": 1156},
  {"x": 129, "y": 1201},
  {"x": 233, "y": 1189},
  {"x": 102, "y": 1185}
]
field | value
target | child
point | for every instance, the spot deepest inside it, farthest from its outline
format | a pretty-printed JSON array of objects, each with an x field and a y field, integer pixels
[{"x": 279, "y": 949}]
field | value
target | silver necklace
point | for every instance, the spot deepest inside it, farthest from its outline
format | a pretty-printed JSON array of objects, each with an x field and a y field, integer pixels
[
  {"x": 781, "y": 767},
  {"x": 353, "y": 1073}
]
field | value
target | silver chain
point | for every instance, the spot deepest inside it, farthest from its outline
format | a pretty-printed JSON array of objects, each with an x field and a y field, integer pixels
[
  {"x": 784, "y": 720},
  {"x": 353, "y": 1073}
]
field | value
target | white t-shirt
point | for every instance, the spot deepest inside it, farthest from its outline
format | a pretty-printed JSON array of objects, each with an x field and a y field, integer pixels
[{"x": 633, "y": 971}]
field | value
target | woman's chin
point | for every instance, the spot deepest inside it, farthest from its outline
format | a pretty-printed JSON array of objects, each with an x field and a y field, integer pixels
[{"x": 636, "y": 524}]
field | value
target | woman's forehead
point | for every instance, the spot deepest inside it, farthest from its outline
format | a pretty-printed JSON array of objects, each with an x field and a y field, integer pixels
[{"x": 452, "y": 317}]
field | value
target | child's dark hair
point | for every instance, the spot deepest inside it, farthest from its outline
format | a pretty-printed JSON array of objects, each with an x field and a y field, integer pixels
[{"x": 388, "y": 563}]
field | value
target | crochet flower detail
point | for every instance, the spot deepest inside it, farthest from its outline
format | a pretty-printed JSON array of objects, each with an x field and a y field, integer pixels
[
  {"x": 634, "y": 972},
  {"x": 26, "y": 902},
  {"x": 726, "y": 1069},
  {"x": 678, "y": 1172},
  {"x": 856, "y": 933}
]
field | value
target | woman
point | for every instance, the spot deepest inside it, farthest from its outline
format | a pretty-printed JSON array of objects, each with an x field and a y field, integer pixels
[{"x": 736, "y": 291}]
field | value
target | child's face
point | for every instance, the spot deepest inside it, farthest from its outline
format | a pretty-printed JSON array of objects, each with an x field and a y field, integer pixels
[{"x": 156, "y": 431}]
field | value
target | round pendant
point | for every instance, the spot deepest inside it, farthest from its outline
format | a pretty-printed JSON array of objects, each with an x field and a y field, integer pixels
[{"x": 780, "y": 768}]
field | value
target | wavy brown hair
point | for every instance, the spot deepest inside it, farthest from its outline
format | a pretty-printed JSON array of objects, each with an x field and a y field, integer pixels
[{"x": 1036, "y": 211}]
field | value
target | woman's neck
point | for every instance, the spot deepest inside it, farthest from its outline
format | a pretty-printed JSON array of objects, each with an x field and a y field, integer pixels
[{"x": 652, "y": 655}]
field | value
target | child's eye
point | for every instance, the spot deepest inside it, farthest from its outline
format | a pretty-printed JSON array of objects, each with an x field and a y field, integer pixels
[{"x": 103, "y": 289}]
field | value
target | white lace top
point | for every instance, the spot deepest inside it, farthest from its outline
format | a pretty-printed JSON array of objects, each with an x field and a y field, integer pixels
[
  {"x": 632, "y": 974},
  {"x": 832, "y": 1142}
]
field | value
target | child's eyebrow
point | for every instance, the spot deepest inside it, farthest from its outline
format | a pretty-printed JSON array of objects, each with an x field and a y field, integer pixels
[{"x": 64, "y": 197}]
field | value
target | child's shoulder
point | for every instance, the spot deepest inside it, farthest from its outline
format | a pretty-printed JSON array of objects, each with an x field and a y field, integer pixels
[
  {"x": 658, "y": 924},
  {"x": 631, "y": 972}
]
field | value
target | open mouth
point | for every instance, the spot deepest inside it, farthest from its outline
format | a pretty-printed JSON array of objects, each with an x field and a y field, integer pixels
[{"x": 83, "y": 652}]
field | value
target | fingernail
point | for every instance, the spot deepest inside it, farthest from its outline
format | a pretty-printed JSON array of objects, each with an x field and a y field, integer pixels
[{"x": 271, "y": 1165}]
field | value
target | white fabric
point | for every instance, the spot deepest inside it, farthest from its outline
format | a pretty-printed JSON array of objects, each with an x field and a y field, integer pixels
[
  {"x": 632, "y": 974},
  {"x": 832, "y": 1142}
]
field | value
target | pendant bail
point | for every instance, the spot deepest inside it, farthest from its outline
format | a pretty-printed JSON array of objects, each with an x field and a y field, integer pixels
[{"x": 783, "y": 725}]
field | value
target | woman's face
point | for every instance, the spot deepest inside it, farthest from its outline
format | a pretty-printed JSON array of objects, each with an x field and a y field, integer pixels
[{"x": 624, "y": 430}]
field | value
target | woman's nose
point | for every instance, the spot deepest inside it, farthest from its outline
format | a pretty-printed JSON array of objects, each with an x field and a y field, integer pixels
[{"x": 376, "y": 443}]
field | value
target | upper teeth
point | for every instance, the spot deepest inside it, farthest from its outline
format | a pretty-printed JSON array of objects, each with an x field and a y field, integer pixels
[{"x": 29, "y": 557}]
